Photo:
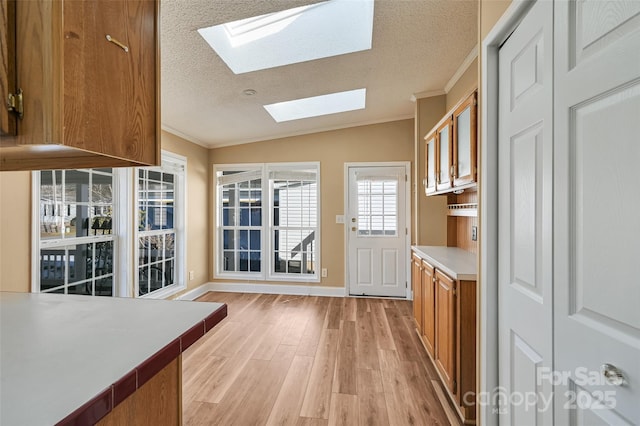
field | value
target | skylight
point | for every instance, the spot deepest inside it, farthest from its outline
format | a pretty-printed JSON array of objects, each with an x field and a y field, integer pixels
[
  {"x": 320, "y": 30},
  {"x": 318, "y": 105}
]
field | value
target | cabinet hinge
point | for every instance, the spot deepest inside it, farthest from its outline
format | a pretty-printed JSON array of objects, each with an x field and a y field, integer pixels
[
  {"x": 15, "y": 103},
  {"x": 455, "y": 386},
  {"x": 406, "y": 178},
  {"x": 406, "y": 231}
]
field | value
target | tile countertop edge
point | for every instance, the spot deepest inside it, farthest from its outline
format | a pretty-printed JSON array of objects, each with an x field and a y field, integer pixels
[
  {"x": 457, "y": 263},
  {"x": 103, "y": 403}
]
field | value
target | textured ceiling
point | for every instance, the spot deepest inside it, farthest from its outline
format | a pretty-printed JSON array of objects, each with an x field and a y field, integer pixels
[{"x": 417, "y": 46}]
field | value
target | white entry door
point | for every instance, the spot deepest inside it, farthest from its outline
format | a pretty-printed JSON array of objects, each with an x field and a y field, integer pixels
[
  {"x": 377, "y": 230},
  {"x": 525, "y": 211},
  {"x": 597, "y": 212}
]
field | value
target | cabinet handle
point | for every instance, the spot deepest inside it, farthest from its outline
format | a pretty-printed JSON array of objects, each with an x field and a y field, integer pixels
[
  {"x": 117, "y": 43},
  {"x": 453, "y": 170}
]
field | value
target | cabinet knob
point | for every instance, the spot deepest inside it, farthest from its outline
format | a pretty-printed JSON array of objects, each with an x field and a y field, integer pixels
[{"x": 612, "y": 374}]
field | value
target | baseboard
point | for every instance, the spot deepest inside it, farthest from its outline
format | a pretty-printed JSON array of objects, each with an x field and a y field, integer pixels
[
  {"x": 193, "y": 294},
  {"x": 307, "y": 290}
]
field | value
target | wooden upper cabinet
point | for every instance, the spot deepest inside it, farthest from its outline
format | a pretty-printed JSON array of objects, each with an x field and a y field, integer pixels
[
  {"x": 430, "y": 167},
  {"x": 465, "y": 141},
  {"x": 89, "y": 72},
  {"x": 444, "y": 154},
  {"x": 451, "y": 149},
  {"x": 8, "y": 120},
  {"x": 445, "y": 350}
]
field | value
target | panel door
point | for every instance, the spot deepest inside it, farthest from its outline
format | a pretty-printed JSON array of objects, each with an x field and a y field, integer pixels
[
  {"x": 377, "y": 231},
  {"x": 444, "y": 155},
  {"x": 417, "y": 288},
  {"x": 464, "y": 142},
  {"x": 597, "y": 205},
  {"x": 429, "y": 307},
  {"x": 445, "y": 329},
  {"x": 525, "y": 149}
]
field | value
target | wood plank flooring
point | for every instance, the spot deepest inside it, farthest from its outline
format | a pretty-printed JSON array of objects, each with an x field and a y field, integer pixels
[{"x": 303, "y": 360}]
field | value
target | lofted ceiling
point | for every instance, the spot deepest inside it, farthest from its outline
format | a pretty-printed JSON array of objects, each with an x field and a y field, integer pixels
[{"x": 417, "y": 47}]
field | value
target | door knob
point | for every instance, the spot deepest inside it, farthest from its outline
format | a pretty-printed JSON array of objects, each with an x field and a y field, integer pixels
[
  {"x": 353, "y": 228},
  {"x": 612, "y": 374}
]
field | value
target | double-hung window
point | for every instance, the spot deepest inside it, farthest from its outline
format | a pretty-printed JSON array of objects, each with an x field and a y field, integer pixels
[
  {"x": 160, "y": 241},
  {"x": 75, "y": 231},
  {"x": 267, "y": 221}
]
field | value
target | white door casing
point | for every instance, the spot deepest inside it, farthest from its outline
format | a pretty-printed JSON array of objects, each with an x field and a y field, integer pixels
[
  {"x": 525, "y": 150},
  {"x": 376, "y": 227},
  {"x": 597, "y": 200}
]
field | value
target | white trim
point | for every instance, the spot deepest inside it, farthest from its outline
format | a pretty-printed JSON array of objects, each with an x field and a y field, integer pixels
[
  {"x": 464, "y": 66},
  {"x": 184, "y": 136},
  {"x": 214, "y": 145},
  {"x": 426, "y": 94},
  {"x": 194, "y": 293},
  {"x": 407, "y": 171},
  {"x": 488, "y": 303},
  {"x": 35, "y": 232},
  {"x": 305, "y": 290},
  {"x": 123, "y": 242}
]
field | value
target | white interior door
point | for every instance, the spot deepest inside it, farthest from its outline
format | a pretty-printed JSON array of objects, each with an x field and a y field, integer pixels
[
  {"x": 377, "y": 230},
  {"x": 597, "y": 205},
  {"x": 525, "y": 156}
]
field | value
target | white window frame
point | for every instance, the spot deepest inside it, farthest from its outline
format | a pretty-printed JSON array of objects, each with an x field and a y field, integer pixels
[
  {"x": 266, "y": 243},
  {"x": 177, "y": 165},
  {"x": 118, "y": 235}
]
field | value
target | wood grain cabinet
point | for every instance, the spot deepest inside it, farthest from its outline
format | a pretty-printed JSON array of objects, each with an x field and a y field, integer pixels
[
  {"x": 428, "y": 307},
  {"x": 465, "y": 141},
  {"x": 451, "y": 150},
  {"x": 448, "y": 332},
  {"x": 416, "y": 287},
  {"x": 88, "y": 74}
]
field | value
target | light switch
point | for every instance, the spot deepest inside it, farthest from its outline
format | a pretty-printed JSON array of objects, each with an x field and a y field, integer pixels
[{"x": 339, "y": 218}]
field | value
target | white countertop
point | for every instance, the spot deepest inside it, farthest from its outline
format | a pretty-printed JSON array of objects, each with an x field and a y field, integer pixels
[
  {"x": 457, "y": 263},
  {"x": 59, "y": 351}
]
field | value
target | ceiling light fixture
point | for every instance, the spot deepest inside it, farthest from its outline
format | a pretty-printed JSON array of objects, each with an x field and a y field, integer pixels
[{"x": 249, "y": 92}]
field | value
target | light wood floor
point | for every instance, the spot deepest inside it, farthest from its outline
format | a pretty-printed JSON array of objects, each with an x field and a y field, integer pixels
[{"x": 300, "y": 360}]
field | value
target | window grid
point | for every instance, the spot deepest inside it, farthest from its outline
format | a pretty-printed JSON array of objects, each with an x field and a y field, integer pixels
[
  {"x": 156, "y": 230},
  {"x": 76, "y": 240},
  {"x": 377, "y": 207},
  {"x": 241, "y": 228}
]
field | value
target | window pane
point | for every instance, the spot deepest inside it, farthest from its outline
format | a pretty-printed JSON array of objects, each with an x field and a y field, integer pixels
[
  {"x": 52, "y": 268},
  {"x": 229, "y": 261},
  {"x": 243, "y": 264},
  {"x": 101, "y": 189},
  {"x": 254, "y": 240},
  {"x": 229, "y": 241},
  {"x": 80, "y": 261},
  {"x": 255, "y": 261},
  {"x": 104, "y": 286},
  {"x": 103, "y": 260}
]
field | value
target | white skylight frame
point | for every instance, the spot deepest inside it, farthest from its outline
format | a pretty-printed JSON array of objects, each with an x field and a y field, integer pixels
[
  {"x": 315, "y": 106},
  {"x": 301, "y": 34}
]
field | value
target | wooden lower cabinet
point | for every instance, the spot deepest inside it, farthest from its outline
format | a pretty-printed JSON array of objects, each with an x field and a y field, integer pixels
[
  {"x": 448, "y": 321},
  {"x": 156, "y": 403},
  {"x": 428, "y": 307},
  {"x": 446, "y": 330},
  {"x": 416, "y": 287}
]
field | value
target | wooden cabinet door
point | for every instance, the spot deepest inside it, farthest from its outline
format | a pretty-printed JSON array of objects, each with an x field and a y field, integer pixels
[
  {"x": 464, "y": 142},
  {"x": 416, "y": 284},
  {"x": 8, "y": 120},
  {"x": 445, "y": 329},
  {"x": 110, "y": 74},
  {"x": 428, "y": 307},
  {"x": 444, "y": 155},
  {"x": 430, "y": 166}
]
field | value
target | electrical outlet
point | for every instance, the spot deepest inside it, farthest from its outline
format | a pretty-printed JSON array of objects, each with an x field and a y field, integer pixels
[
  {"x": 192, "y": 275},
  {"x": 474, "y": 233},
  {"x": 324, "y": 272}
]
